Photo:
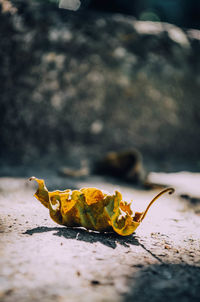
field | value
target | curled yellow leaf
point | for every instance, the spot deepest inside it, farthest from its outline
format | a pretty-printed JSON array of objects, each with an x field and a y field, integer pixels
[{"x": 92, "y": 209}]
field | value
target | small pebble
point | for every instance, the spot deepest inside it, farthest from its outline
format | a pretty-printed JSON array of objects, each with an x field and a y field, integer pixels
[{"x": 95, "y": 282}]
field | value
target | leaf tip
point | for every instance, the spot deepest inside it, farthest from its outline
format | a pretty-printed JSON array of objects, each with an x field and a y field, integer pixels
[{"x": 171, "y": 190}]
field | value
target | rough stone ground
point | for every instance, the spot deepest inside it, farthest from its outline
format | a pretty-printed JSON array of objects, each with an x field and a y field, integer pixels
[{"x": 41, "y": 261}]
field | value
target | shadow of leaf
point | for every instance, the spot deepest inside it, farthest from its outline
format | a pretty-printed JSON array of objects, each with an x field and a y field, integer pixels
[
  {"x": 109, "y": 239},
  {"x": 165, "y": 282}
]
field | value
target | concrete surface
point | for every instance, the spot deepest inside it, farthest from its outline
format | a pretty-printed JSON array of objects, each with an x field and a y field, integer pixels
[{"x": 42, "y": 261}]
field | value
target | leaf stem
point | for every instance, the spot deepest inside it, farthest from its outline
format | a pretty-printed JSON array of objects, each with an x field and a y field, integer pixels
[{"x": 170, "y": 190}]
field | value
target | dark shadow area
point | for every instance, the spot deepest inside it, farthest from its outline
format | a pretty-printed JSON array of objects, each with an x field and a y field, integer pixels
[
  {"x": 150, "y": 252},
  {"x": 172, "y": 282},
  {"x": 109, "y": 239}
]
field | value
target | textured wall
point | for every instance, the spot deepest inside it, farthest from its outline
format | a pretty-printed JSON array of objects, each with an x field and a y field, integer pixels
[{"x": 76, "y": 85}]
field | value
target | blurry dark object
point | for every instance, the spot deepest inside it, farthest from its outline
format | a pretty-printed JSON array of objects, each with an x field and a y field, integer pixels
[
  {"x": 126, "y": 165},
  {"x": 190, "y": 198},
  {"x": 76, "y": 173}
]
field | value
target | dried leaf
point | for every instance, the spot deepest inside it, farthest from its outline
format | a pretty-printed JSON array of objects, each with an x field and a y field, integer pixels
[{"x": 92, "y": 209}]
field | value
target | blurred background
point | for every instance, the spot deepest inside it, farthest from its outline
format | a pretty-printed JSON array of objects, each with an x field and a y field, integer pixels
[{"x": 112, "y": 76}]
